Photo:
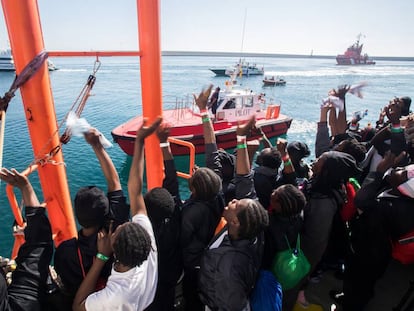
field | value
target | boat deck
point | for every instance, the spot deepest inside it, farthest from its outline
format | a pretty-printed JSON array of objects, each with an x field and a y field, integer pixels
[{"x": 388, "y": 292}]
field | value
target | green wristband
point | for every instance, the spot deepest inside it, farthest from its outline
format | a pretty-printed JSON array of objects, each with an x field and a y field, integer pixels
[
  {"x": 205, "y": 119},
  {"x": 396, "y": 130},
  {"x": 241, "y": 146},
  {"x": 102, "y": 257},
  {"x": 287, "y": 163}
]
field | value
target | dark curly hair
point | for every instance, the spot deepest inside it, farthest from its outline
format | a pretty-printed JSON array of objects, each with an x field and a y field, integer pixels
[
  {"x": 160, "y": 204},
  {"x": 132, "y": 245},
  {"x": 269, "y": 157},
  {"x": 252, "y": 217},
  {"x": 291, "y": 200},
  {"x": 205, "y": 184},
  {"x": 352, "y": 147},
  {"x": 91, "y": 207}
]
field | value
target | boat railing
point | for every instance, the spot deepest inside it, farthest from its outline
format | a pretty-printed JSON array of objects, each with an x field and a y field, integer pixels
[
  {"x": 191, "y": 161},
  {"x": 181, "y": 106}
]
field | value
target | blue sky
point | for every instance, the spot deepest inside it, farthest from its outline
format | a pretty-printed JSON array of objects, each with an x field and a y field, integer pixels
[{"x": 271, "y": 26}]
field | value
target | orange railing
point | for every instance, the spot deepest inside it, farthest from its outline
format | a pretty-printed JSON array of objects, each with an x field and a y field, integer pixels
[
  {"x": 191, "y": 148},
  {"x": 14, "y": 205}
]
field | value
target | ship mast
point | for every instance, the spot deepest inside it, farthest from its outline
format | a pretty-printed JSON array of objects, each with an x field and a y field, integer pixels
[{"x": 244, "y": 28}]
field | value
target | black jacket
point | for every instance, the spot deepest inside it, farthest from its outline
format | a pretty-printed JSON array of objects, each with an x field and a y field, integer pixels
[
  {"x": 228, "y": 273},
  {"x": 198, "y": 223}
]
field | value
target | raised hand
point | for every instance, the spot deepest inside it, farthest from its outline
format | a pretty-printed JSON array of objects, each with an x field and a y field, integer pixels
[
  {"x": 104, "y": 244},
  {"x": 13, "y": 178},
  {"x": 281, "y": 145},
  {"x": 202, "y": 99},
  {"x": 92, "y": 137},
  {"x": 245, "y": 129},
  {"x": 341, "y": 91},
  {"x": 163, "y": 132},
  {"x": 390, "y": 160},
  {"x": 144, "y": 131},
  {"x": 393, "y": 112}
]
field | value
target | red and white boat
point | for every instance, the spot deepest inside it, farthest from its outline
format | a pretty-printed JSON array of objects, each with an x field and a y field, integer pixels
[
  {"x": 234, "y": 105},
  {"x": 353, "y": 55}
]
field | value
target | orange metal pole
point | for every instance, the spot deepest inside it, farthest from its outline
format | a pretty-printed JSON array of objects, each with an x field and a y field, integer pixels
[
  {"x": 26, "y": 39},
  {"x": 92, "y": 53},
  {"x": 150, "y": 61}
]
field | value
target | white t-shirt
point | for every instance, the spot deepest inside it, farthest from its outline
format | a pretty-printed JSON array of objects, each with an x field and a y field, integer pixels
[{"x": 133, "y": 289}]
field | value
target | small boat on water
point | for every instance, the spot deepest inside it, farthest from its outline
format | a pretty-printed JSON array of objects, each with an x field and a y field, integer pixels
[
  {"x": 353, "y": 55},
  {"x": 241, "y": 67},
  {"x": 273, "y": 80},
  {"x": 235, "y": 104},
  {"x": 7, "y": 62}
]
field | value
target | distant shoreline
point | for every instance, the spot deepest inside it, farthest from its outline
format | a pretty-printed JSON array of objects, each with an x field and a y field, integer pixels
[{"x": 234, "y": 54}]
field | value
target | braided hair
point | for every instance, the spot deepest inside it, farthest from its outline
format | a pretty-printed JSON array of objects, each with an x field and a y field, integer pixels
[
  {"x": 132, "y": 245},
  {"x": 252, "y": 217},
  {"x": 291, "y": 201},
  {"x": 205, "y": 184}
]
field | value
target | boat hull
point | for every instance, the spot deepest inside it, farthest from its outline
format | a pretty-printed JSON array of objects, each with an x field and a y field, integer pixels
[
  {"x": 189, "y": 128},
  {"x": 273, "y": 83},
  {"x": 219, "y": 72},
  {"x": 342, "y": 60}
]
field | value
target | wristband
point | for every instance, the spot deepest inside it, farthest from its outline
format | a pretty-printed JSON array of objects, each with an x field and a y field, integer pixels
[
  {"x": 241, "y": 139},
  {"x": 102, "y": 257},
  {"x": 396, "y": 129},
  {"x": 241, "y": 146},
  {"x": 287, "y": 163},
  {"x": 286, "y": 158},
  {"x": 203, "y": 112},
  {"x": 166, "y": 144},
  {"x": 205, "y": 119}
]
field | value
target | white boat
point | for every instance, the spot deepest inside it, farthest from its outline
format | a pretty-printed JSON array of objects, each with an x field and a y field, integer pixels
[
  {"x": 7, "y": 63},
  {"x": 240, "y": 68},
  {"x": 6, "y": 60}
]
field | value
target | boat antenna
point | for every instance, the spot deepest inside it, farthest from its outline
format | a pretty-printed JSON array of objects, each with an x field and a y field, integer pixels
[
  {"x": 244, "y": 28},
  {"x": 359, "y": 37}
]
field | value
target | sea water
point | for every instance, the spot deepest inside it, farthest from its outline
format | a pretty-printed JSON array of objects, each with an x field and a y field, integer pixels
[{"x": 116, "y": 97}]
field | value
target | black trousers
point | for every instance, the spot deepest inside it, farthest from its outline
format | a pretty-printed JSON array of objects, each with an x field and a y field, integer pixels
[{"x": 368, "y": 262}]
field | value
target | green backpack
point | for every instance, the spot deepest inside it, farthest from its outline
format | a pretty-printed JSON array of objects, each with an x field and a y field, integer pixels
[{"x": 290, "y": 266}]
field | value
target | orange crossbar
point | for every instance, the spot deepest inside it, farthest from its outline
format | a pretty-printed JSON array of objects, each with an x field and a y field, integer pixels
[{"x": 92, "y": 53}]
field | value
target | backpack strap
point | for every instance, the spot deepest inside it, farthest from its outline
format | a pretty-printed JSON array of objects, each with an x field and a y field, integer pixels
[{"x": 297, "y": 242}]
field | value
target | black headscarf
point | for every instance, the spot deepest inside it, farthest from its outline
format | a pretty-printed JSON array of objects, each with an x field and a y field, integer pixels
[{"x": 337, "y": 168}]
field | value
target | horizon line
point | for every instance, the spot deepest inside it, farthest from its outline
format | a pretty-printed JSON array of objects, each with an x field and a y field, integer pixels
[{"x": 280, "y": 55}]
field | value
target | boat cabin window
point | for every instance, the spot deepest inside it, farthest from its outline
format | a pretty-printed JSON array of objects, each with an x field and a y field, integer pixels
[
  {"x": 248, "y": 101},
  {"x": 231, "y": 104}
]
